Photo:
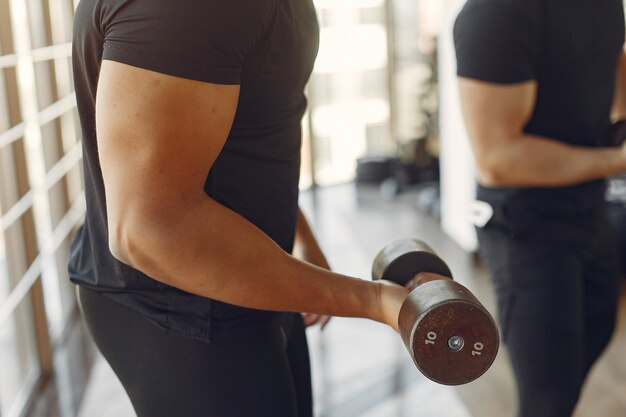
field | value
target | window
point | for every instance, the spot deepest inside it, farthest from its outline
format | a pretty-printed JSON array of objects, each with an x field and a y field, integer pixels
[{"x": 40, "y": 190}]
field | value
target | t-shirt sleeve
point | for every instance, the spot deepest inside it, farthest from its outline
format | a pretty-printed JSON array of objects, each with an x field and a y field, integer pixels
[
  {"x": 495, "y": 43},
  {"x": 204, "y": 40}
]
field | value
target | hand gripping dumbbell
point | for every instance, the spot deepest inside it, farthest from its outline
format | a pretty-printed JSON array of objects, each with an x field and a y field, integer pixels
[{"x": 451, "y": 337}]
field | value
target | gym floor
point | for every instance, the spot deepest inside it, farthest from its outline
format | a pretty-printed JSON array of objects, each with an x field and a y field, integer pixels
[{"x": 361, "y": 368}]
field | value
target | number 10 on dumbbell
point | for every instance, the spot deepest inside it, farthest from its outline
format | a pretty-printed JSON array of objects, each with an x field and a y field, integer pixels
[{"x": 451, "y": 337}]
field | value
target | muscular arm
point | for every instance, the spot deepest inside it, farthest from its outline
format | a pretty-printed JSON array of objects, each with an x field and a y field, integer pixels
[
  {"x": 619, "y": 102},
  {"x": 495, "y": 116},
  {"x": 158, "y": 137}
]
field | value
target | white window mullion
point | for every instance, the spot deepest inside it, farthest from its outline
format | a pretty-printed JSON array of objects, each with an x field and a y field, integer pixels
[{"x": 35, "y": 164}]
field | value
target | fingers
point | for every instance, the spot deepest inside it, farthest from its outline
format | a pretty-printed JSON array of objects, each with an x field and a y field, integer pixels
[
  {"x": 422, "y": 278},
  {"x": 391, "y": 296},
  {"x": 311, "y": 319},
  {"x": 324, "y": 321}
]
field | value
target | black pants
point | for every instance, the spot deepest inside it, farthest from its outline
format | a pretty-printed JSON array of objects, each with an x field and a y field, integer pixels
[
  {"x": 557, "y": 301},
  {"x": 263, "y": 372}
]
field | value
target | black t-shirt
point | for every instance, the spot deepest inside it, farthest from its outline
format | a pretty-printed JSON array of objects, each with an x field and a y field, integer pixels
[
  {"x": 570, "y": 48},
  {"x": 266, "y": 46}
]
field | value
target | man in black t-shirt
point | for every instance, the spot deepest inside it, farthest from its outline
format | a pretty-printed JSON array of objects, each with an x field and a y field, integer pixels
[
  {"x": 538, "y": 84},
  {"x": 190, "y": 114}
]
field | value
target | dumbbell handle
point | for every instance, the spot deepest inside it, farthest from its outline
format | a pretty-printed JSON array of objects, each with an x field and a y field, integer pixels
[
  {"x": 405, "y": 255},
  {"x": 424, "y": 278}
]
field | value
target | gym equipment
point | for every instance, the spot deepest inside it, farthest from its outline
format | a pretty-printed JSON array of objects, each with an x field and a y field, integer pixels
[{"x": 451, "y": 337}]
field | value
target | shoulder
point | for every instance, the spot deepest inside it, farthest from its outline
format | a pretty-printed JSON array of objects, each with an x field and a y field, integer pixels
[
  {"x": 211, "y": 38},
  {"x": 526, "y": 12},
  {"x": 202, "y": 17},
  {"x": 492, "y": 21},
  {"x": 498, "y": 40}
]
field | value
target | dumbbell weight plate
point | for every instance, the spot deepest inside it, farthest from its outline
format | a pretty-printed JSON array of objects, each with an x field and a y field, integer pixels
[
  {"x": 397, "y": 261},
  {"x": 452, "y": 338}
]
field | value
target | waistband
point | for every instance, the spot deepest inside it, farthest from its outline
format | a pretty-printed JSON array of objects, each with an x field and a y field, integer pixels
[{"x": 557, "y": 213}]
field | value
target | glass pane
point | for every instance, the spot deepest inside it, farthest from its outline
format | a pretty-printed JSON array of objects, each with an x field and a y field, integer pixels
[
  {"x": 58, "y": 291},
  {"x": 349, "y": 88},
  {"x": 6, "y": 45},
  {"x": 45, "y": 84},
  {"x": 18, "y": 356},
  {"x": 4, "y": 272},
  {"x": 306, "y": 177},
  {"x": 416, "y": 26},
  {"x": 9, "y": 99},
  {"x": 39, "y": 23},
  {"x": 62, "y": 70}
]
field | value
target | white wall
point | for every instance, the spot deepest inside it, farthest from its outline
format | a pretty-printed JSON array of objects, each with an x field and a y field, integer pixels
[{"x": 457, "y": 166}]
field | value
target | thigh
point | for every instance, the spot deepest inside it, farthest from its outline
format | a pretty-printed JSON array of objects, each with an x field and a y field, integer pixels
[
  {"x": 300, "y": 365},
  {"x": 541, "y": 297},
  {"x": 549, "y": 366},
  {"x": 602, "y": 273},
  {"x": 166, "y": 374},
  {"x": 602, "y": 278},
  {"x": 536, "y": 281}
]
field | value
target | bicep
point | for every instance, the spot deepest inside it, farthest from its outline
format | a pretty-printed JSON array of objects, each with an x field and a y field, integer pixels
[
  {"x": 158, "y": 135},
  {"x": 495, "y": 113}
]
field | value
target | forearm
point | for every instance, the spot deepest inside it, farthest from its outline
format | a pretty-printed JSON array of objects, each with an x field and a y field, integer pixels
[
  {"x": 536, "y": 161},
  {"x": 213, "y": 252},
  {"x": 306, "y": 246}
]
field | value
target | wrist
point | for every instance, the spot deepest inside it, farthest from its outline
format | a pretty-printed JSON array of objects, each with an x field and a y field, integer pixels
[
  {"x": 618, "y": 161},
  {"x": 389, "y": 298}
]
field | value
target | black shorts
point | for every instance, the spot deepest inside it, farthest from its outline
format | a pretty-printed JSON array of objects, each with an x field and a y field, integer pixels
[
  {"x": 260, "y": 370},
  {"x": 557, "y": 299}
]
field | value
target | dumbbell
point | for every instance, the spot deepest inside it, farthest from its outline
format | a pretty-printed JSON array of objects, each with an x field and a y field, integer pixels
[{"x": 451, "y": 337}]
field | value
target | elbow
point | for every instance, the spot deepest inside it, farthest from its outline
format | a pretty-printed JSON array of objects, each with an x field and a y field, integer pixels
[
  {"x": 147, "y": 240},
  {"x": 493, "y": 172},
  {"x": 122, "y": 242},
  {"x": 491, "y": 178},
  {"x": 129, "y": 243}
]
